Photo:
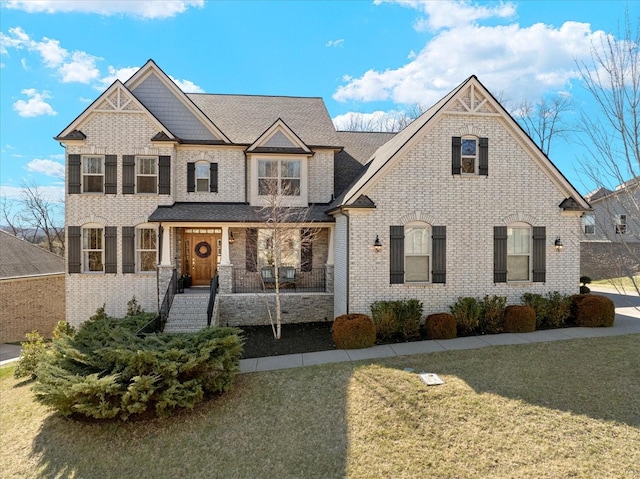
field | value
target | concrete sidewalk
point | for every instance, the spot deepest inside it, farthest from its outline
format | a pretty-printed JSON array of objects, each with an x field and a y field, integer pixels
[{"x": 627, "y": 322}]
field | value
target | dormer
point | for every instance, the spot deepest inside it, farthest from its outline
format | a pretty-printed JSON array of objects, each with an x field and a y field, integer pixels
[{"x": 278, "y": 165}]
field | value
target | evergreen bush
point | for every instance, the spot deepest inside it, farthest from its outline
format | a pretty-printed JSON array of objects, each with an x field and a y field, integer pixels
[
  {"x": 584, "y": 281},
  {"x": 593, "y": 311},
  {"x": 519, "y": 318},
  {"x": 440, "y": 326},
  {"x": 467, "y": 313},
  {"x": 539, "y": 305},
  {"x": 492, "y": 314},
  {"x": 353, "y": 331},
  {"x": 397, "y": 318},
  {"x": 106, "y": 371},
  {"x": 31, "y": 352}
]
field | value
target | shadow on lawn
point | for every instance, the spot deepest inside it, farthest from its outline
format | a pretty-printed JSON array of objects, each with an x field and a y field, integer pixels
[
  {"x": 259, "y": 429},
  {"x": 597, "y": 377}
]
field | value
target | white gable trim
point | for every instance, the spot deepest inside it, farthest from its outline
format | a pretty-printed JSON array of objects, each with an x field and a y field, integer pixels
[
  {"x": 150, "y": 68},
  {"x": 120, "y": 90},
  {"x": 279, "y": 126}
]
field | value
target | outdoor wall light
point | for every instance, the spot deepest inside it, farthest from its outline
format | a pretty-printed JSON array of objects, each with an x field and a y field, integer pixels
[
  {"x": 377, "y": 245},
  {"x": 558, "y": 244},
  {"x": 231, "y": 238}
]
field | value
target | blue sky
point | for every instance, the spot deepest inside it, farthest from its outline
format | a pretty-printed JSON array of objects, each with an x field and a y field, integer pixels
[{"x": 362, "y": 56}]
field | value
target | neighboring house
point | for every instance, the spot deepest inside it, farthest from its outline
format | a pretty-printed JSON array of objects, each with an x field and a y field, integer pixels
[
  {"x": 610, "y": 240},
  {"x": 31, "y": 289},
  {"x": 460, "y": 203}
]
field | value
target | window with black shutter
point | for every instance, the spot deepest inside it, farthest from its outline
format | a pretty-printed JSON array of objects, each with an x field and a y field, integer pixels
[
  {"x": 128, "y": 174},
  {"x": 128, "y": 249},
  {"x": 111, "y": 249},
  {"x": 111, "y": 174},
  {"x": 74, "y": 181},
  {"x": 73, "y": 248}
]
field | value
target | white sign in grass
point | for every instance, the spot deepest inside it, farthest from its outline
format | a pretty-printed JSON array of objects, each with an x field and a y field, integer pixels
[{"x": 431, "y": 379}]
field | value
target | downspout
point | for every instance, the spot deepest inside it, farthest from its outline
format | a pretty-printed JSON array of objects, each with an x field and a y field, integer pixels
[
  {"x": 160, "y": 235},
  {"x": 347, "y": 272}
]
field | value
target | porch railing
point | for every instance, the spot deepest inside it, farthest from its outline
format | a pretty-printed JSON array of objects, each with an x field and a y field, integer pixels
[
  {"x": 213, "y": 290},
  {"x": 172, "y": 289},
  {"x": 313, "y": 281}
]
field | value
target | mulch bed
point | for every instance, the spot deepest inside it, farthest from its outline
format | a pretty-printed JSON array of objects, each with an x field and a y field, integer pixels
[{"x": 295, "y": 338}]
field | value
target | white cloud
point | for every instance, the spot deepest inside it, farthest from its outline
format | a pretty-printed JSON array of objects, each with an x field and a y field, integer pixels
[
  {"x": 81, "y": 69},
  {"x": 148, "y": 9},
  {"x": 335, "y": 43},
  {"x": 50, "y": 193},
  {"x": 35, "y": 105},
  {"x": 52, "y": 53},
  {"x": 187, "y": 86},
  {"x": 122, "y": 74},
  {"x": 520, "y": 62},
  {"x": 46, "y": 167}
]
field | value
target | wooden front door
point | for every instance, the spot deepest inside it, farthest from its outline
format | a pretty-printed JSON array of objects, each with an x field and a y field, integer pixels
[{"x": 201, "y": 254}]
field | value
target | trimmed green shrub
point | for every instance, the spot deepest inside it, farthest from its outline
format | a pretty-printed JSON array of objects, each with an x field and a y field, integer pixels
[
  {"x": 105, "y": 371},
  {"x": 519, "y": 318},
  {"x": 593, "y": 311},
  {"x": 584, "y": 281},
  {"x": 539, "y": 304},
  {"x": 353, "y": 331},
  {"x": 440, "y": 326},
  {"x": 397, "y": 318},
  {"x": 492, "y": 314},
  {"x": 467, "y": 313},
  {"x": 558, "y": 309},
  {"x": 33, "y": 349}
]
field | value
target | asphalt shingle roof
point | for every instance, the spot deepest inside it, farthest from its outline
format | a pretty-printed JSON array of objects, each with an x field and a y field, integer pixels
[
  {"x": 21, "y": 258},
  {"x": 234, "y": 213},
  {"x": 243, "y": 118}
]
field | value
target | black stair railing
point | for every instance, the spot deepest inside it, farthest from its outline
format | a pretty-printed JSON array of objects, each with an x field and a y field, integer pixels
[{"x": 213, "y": 290}]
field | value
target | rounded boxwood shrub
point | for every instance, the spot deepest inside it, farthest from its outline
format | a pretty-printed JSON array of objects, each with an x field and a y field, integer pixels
[
  {"x": 593, "y": 311},
  {"x": 519, "y": 318},
  {"x": 353, "y": 331},
  {"x": 440, "y": 326}
]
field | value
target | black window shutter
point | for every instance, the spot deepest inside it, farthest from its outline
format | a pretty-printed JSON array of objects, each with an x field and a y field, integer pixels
[
  {"x": 483, "y": 167},
  {"x": 456, "y": 155},
  {"x": 73, "y": 249},
  {"x": 213, "y": 177},
  {"x": 191, "y": 177},
  {"x": 110, "y": 174},
  {"x": 110, "y": 249},
  {"x": 128, "y": 249},
  {"x": 306, "y": 253},
  {"x": 164, "y": 175},
  {"x": 128, "y": 174},
  {"x": 396, "y": 255},
  {"x": 539, "y": 254},
  {"x": 499, "y": 254},
  {"x": 251, "y": 250},
  {"x": 74, "y": 175},
  {"x": 439, "y": 245}
]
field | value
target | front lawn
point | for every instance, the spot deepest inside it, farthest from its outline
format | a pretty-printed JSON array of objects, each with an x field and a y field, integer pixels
[{"x": 547, "y": 410}]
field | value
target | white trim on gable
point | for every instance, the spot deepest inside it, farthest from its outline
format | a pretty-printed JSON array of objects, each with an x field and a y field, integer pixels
[
  {"x": 125, "y": 102},
  {"x": 279, "y": 126}
]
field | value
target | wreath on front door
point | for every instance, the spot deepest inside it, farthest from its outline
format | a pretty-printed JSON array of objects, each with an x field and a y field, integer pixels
[{"x": 203, "y": 249}]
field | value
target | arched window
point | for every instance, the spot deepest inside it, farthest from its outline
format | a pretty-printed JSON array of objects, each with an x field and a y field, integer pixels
[
  {"x": 417, "y": 252},
  {"x": 469, "y": 157},
  {"x": 519, "y": 252}
]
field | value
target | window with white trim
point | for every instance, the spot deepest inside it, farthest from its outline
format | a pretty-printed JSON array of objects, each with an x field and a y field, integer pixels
[
  {"x": 286, "y": 241},
  {"x": 202, "y": 176},
  {"x": 92, "y": 174},
  {"x": 92, "y": 249},
  {"x": 621, "y": 224},
  {"x": 589, "y": 224},
  {"x": 417, "y": 253},
  {"x": 146, "y": 174},
  {"x": 518, "y": 252},
  {"x": 279, "y": 177},
  {"x": 469, "y": 156},
  {"x": 146, "y": 252}
]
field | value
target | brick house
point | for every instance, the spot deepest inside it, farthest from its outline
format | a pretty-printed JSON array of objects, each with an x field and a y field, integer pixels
[
  {"x": 162, "y": 184},
  {"x": 31, "y": 289},
  {"x": 610, "y": 234}
]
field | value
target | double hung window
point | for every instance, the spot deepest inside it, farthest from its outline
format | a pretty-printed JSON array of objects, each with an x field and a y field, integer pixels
[
  {"x": 621, "y": 224},
  {"x": 282, "y": 243},
  {"x": 93, "y": 174},
  {"x": 93, "y": 249},
  {"x": 589, "y": 224},
  {"x": 417, "y": 251},
  {"x": 468, "y": 163},
  {"x": 202, "y": 176},
  {"x": 518, "y": 252},
  {"x": 146, "y": 249},
  {"x": 146, "y": 174}
]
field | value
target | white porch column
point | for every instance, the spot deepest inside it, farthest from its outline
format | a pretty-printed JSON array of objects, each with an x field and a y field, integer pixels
[
  {"x": 225, "y": 246},
  {"x": 166, "y": 246},
  {"x": 331, "y": 243}
]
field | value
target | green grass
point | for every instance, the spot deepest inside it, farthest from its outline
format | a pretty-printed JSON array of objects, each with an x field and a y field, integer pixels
[
  {"x": 623, "y": 284},
  {"x": 548, "y": 410}
]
